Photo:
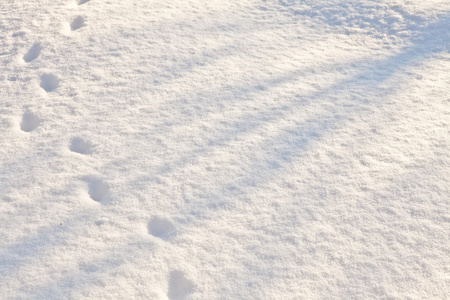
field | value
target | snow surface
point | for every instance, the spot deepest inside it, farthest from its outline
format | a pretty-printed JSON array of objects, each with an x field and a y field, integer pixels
[{"x": 250, "y": 149}]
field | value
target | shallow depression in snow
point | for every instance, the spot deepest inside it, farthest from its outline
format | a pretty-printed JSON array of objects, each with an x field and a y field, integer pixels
[
  {"x": 161, "y": 227},
  {"x": 77, "y": 23},
  {"x": 49, "y": 82},
  {"x": 80, "y": 145},
  {"x": 30, "y": 121},
  {"x": 179, "y": 286},
  {"x": 98, "y": 189},
  {"x": 33, "y": 53}
]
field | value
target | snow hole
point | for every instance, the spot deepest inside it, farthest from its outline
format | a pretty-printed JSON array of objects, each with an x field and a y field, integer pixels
[
  {"x": 161, "y": 228},
  {"x": 33, "y": 53},
  {"x": 179, "y": 286},
  {"x": 29, "y": 122},
  {"x": 77, "y": 23},
  {"x": 81, "y": 146},
  {"x": 98, "y": 189},
  {"x": 49, "y": 82}
]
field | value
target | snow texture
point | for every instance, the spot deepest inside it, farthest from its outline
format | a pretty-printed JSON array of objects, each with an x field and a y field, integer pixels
[{"x": 251, "y": 149}]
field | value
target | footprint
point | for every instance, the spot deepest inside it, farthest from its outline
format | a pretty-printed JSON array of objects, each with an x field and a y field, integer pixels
[
  {"x": 82, "y": 2},
  {"x": 77, "y": 23},
  {"x": 80, "y": 146},
  {"x": 161, "y": 227},
  {"x": 33, "y": 53},
  {"x": 98, "y": 189},
  {"x": 49, "y": 82},
  {"x": 101, "y": 221},
  {"x": 29, "y": 122},
  {"x": 19, "y": 34},
  {"x": 179, "y": 286}
]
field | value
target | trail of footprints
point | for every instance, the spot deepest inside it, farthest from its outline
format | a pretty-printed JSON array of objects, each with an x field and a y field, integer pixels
[{"x": 179, "y": 286}]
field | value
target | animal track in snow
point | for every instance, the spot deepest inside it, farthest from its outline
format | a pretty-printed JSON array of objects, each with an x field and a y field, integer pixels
[
  {"x": 179, "y": 286},
  {"x": 98, "y": 189},
  {"x": 80, "y": 146},
  {"x": 29, "y": 122},
  {"x": 82, "y": 2},
  {"x": 33, "y": 53},
  {"x": 77, "y": 23},
  {"x": 49, "y": 82},
  {"x": 161, "y": 227},
  {"x": 101, "y": 221}
]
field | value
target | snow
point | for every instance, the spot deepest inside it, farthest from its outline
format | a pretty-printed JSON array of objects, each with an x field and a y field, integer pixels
[{"x": 255, "y": 149}]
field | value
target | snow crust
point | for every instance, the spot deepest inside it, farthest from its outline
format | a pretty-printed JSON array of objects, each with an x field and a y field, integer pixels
[{"x": 251, "y": 149}]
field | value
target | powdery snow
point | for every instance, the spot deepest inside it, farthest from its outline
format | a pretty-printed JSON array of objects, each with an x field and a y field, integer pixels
[{"x": 255, "y": 149}]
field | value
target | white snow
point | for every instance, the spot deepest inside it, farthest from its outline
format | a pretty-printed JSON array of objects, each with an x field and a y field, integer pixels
[{"x": 252, "y": 149}]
